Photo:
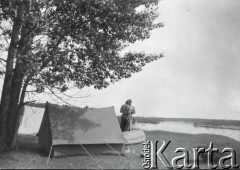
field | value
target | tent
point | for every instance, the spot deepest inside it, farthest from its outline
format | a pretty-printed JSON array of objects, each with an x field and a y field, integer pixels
[
  {"x": 31, "y": 120},
  {"x": 72, "y": 131}
]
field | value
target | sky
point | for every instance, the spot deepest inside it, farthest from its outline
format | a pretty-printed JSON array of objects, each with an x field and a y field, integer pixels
[{"x": 199, "y": 75}]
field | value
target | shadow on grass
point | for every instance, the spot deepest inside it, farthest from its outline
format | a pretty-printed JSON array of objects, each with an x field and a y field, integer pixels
[{"x": 29, "y": 144}]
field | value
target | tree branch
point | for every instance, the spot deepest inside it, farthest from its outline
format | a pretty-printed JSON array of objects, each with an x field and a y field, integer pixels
[
  {"x": 28, "y": 33},
  {"x": 53, "y": 93},
  {"x": 3, "y": 60},
  {"x": 33, "y": 101},
  {"x": 33, "y": 91}
]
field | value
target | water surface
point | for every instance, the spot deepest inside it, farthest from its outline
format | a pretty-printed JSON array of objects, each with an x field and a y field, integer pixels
[{"x": 187, "y": 127}]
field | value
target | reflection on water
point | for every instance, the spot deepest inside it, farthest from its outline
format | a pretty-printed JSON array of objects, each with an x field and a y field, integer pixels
[{"x": 186, "y": 127}]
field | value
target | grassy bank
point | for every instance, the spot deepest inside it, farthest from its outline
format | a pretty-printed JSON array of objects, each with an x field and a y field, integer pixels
[{"x": 28, "y": 156}]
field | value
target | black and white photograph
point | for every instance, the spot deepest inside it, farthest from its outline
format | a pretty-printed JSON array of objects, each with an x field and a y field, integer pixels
[{"x": 119, "y": 84}]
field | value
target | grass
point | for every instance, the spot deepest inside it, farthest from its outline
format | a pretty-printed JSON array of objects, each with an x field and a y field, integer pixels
[{"x": 28, "y": 156}]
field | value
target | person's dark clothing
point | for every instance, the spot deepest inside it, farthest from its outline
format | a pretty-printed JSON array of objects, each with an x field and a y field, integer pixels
[{"x": 125, "y": 118}]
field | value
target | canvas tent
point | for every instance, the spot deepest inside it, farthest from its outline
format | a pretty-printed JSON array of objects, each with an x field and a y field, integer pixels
[
  {"x": 71, "y": 131},
  {"x": 31, "y": 120}
]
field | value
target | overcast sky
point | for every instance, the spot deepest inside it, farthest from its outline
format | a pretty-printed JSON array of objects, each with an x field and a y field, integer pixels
[{"x": 199, "y": 77}]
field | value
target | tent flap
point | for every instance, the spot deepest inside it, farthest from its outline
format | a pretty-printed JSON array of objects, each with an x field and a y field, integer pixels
[{"x": 31, "y": 120}]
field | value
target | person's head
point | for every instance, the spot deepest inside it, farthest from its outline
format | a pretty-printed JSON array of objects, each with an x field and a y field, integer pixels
[{"x": 129, "y": 102}]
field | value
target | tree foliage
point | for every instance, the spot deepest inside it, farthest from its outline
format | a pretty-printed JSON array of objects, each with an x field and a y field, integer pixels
[
  {"x": 54, "y": 42},
  {"x": 83, "y": 40}
]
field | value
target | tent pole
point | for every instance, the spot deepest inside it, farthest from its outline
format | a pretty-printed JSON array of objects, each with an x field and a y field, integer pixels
[
  {"x": 119, "y": 155},
  {"x": 49, "y": 155},
  {"x": 91, "y": 157}
]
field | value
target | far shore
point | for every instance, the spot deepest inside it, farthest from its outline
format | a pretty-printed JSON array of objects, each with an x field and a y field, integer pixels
[
  {"x": 28, "y": 156},
  {"x": 219, "y": 127}
]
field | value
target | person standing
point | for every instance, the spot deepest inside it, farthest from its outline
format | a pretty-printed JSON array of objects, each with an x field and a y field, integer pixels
[
  {"x": 126, "y": 115},
  {"x": 126, "y": 118}
]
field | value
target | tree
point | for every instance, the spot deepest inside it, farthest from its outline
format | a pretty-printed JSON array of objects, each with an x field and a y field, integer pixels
[{"x": 55, "y": 42}]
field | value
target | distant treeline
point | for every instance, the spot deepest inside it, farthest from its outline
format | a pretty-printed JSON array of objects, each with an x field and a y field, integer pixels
[
  {"x": 137, "y": 119},
  {"x": 42, "y": 105},
  {"x": 208, "y": 122}
]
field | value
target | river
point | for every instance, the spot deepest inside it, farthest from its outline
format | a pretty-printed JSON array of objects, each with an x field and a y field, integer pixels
[{"x": 186, "y": 127}]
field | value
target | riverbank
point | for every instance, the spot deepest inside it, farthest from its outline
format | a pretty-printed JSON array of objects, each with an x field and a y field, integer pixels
[{"x": 29, "y": 157}]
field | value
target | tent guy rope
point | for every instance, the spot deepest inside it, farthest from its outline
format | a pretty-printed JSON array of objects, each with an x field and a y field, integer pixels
[
  {"x": 91, "y": 157},
  {"x": 121, "y": 156}
]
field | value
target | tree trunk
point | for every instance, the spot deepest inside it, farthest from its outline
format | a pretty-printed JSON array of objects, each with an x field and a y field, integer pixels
[
  {"x": 18, "y": 76},
  {"x": 5, "y": 99},
  {"x": 17, "y": 113},
  {"x": 17, "y": 82},
  {"x": 14, "y": 103}
]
